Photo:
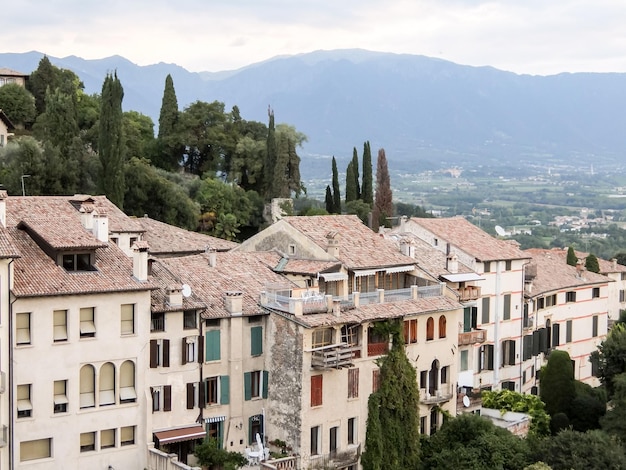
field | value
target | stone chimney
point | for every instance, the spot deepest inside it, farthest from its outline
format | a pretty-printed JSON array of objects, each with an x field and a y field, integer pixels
[
  {"x": 212, "y": 257},
  {"x": 101, "y": 226},
  {"x": 407, "y": 247},
  {"x": 3, "y": 208},
  {"x": 614, "y": 263},
  {"x": 233, "y": 302},
  {"x": 140, "y": 260},
  {"x": 333, "y": 244},
  {"x": 337, "y": 307},
  {"x": 452, "y": 263},
  {"x": 403, "y": 220},
  {"x": 580, "y": 268},
  {"x": 175, "y": 296},
  {"x": 86, "y": 216}
]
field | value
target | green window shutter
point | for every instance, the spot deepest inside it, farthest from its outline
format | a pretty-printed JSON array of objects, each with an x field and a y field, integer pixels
[
  {"x": 213, "y": 346},
  {"x": 251, "y": 438},
  {"x": 507, "y": 306},
  {"x": 220, "y": 434},
  {"x": 485, "y": 316},
  {"x": 266, "y": 376},
  {"x": 467, "y": 319},
  {"x": 247, "y": 386},
  {"x": 224, "y": 390},
  {"x": 256, "y": 337}
]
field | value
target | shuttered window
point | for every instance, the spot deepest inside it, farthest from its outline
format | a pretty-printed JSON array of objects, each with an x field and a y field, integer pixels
[
  {"x": 213, "y": 346},
  {"x": 353, "y": 383},
  {"x": 430, "y": 329},
  {"x": 33, "y": 450},
  {"x": 107, "y": 438},
  {"x": 107, "y": 384},
  {"x": 225, "y": 390},
  {"x": 87, "y": 441},
  {"x": 87, "y": 386},
  {"x": 316, "y": 390},
  {"x": 128, "y": 394},
  {"x": 256, "y": 339},
  {"x": 22, "y": 328},
  {"x": 485, "y": 310},
  {"x": 60, "y": 325},
  {"x": 128, "y": 319},
  {"x": 87, "y": 323},
  {"x": 507, "y": 307},
  {"x": 442, "y": 326},
  {"x": 127, "y": 435}
]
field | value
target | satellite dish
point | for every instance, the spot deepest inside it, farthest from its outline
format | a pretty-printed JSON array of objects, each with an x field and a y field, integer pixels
[
  {"x": 500, "y": 231},
  {"x": 466, "y": 401},
  {"x": 186, "y": 290}
]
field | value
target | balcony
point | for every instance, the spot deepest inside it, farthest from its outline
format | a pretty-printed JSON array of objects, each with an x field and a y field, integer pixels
[
  {"x": 335, "y": 356},
  {"x": 472, "y": 337},
  {"x": 337, "y": 459},
  {"x": 377, "y": 349},
  {"x": 432, "y": 396},
  {"x": 468, "y": 293}
]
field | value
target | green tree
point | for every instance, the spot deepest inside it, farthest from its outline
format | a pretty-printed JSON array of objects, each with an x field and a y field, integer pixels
[
  {"x": 328, "y": 200},
  {"x": 395, "y": 427},
  {"x": 289, "y": 140},
  {"x": 611, "y": 357},
  {"x": 367, "y": 191},
  {"x": 111, "y": 140},
  {"x": 558, "y": 387},
  {"x": 572, "y": 259},
  {"x": 591, "y": 263},
  {"x": 45, "y": 76},
  {"x": 336, "y": 192},
  {"x": 355, "y": 169},
  {"x": 169, "y": 146},
  {"x": 18, "y": 104},
  {"x": 138, "y": 134},
  {"x": 211, "y": 455},
  {"x": 351, "y": 194},
  {"x": 614, "y": 421},
  {"x": 271, "y": 155},
  {"x": 383, "y": 204},
  {"x": 588, "y": 407},
  {"x": 360, "y": 209},
  {"x": 621, "y": 258}
]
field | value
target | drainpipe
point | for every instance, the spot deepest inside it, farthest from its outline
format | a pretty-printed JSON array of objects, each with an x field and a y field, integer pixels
[
  {"x": 11, "y": 442},
  {"x": 521, "y": 333},
  {"x": 496, "y": 328}
]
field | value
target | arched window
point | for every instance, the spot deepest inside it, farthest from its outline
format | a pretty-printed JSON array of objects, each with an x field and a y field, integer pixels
[
  {"x": 442, "y": 326},
  {"x": 87, "y": 386},
  {"x": 107, "y": 385},
  {"x": 127, "y": 383},
  {"x": 430, "y": 329}
]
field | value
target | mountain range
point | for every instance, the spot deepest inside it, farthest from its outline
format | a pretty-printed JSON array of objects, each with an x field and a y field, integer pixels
[{"x": 426, "y": 112}]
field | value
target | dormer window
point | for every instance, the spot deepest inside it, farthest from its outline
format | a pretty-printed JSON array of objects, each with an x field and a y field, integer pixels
[{"x": 77, "y": 262}]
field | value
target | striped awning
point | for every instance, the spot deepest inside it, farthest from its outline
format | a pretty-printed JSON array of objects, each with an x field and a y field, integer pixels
[
  {"x": 400, "y": 269},
  {"x": 214, "y": 419},
  {"x": 366, "y": 272},
  {"x": 179, "y": 435},
  {"x": 334, "y": 276}
]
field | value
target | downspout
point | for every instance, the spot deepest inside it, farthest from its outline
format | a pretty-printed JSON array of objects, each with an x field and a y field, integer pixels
[
  {"x": 201, "y": 416},
  {"x": 496, "y": 329},
  {"x": 10, "y": 380},
  {"x": 521, "y": 329}
]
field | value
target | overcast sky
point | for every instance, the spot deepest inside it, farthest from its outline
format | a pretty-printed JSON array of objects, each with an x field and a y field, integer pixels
[{"x": 523, "y": 36}]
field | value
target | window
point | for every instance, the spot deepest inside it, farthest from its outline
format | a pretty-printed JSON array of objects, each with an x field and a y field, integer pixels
[
  {"x": 128, "y": 319},
  {"x": 212, "y": 322},
  {"x": 59, "y": 325},
  {"x": 254, "y": 319},
  {"x": 212, "y": 391},
  {"x": 316, "y": 390},
  {"x": 507, "y": 307},
  {"x": 127, "y": 382},
  {"x": 507, "y": 265},
  {"x": 322, "y": 338},
  {"x": 107, "y": 438},
  {"x": 332, "y": 439},
  {"x": 87, "y": 323},
  {"x": 159, "y": 353},
  {"x": 352, "y": 431},
  {"x": 33, "y": 450},
  {"x": 190, "y": 320},
  {"x": 255, "y": 426},
  {"x": 430, "y": 329},
  {"x": 487, "y": 267},
  {"x": 157, "y": 321},
  {"x": 350, "y": 335},
  {"x": 464, "y": 359},
  {"x": 87, "y": 441},
  {"x": 508, "y": 352},
  {"x": 568, "y": 331},
  {"x": 556, "y": 335},
  {"x": 485, "y": 312},
  {"x": 445, "y": 372},
  {"x": 60, "y": 396},
  {"x": 77, "y": 262},
  {"x": 422, "y": 424},
  {"x": 107, "y": 384},
  {"x": 255, "y": 384},
  {"x": 570, "y": 296},
  {"x": 127, "y": 435},
  {"x": 375, "y": 380},
  {"x": 22, "y": 328},
  {"x": 508, "y": 385},
  {"x": 189, "y": 349},
  {"x": 161, "y": 398},
  {"x": 595, "y": 364},
  {"x": 594, "y": 326},
  {"x": 595, "y": 293},
  {"x": 622, "y": 295},
  {"x": 410, "y": 331},
  {"x": 423, "y": 379},
  {"x": 353, "y": 383},
  {"x": 191, "y": 395},
  {"x": 541, "y": 303},
  {"x": 87, "y": 386},
  {"x": 527, "y": 347},
  {"x": 213, "y": 345},
  {"x": 442, "y": 326},
  {"x": 315, "y": 440},
  {"x": 292, "y": 249},
  {"x": 256, "y": 340},
  {"x": 485, "y": 357},
  {"x": 24, "y": 405}
]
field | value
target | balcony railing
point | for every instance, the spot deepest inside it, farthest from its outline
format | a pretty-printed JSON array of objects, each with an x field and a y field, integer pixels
[
  {"x": 337, "y": 459},
  {"x": 335, "y": 356},
  {"x": 431, "y": 396},
  {"x": 472, "y": 337},
  {"x": 157, "y": 323},
  {"x": 377, "y": 349},
  {"x": 468, "y": 293}
]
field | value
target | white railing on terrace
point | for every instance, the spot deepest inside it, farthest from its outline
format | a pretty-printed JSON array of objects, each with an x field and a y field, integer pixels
[
  {"x": 158, "y": 460},
  {"x": 286, "y": 463},
  {"x": 368, "y": 298},
  {"x": 430, "y": 291},
  {"x": 396, "y": 295}
]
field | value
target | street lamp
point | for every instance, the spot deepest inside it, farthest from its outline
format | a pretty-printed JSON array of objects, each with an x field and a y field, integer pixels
[{"x": 23, "y": 191}]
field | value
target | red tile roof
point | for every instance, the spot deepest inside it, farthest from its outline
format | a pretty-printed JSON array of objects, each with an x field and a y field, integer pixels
[
  {"x": 62, "y": 233},
  {"x": 163, "y": 278}
]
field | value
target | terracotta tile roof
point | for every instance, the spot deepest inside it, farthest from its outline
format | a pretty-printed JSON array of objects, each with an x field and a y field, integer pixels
[
  {"x": 278, "y": 263},
  {"x": 553, "y": 272},
  {"x": 163, "y": 278},
  {"x": 359, "y": 247},
  {"x": 384, "y": 311},
  {"x": 471, "y": 239},
  {"x": 36, "y": 274},
  {"x": 61, "y": 233},
  {"x": 234, "y": 271},
  {"x": 165, "y": 239},
  {"x": 7, "y": 247},
  {"x": 605, "y": 266},
  {"x": 11, "y": 73}
]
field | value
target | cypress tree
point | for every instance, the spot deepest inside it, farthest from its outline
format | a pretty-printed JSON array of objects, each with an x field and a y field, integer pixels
[
  {"x": 111, "y": 141},
  {"x": 355, "y": 168},
  {"x": 169, "y": 150},
  {"x": 572, "y": 259},
  {"x": 367, "y": 192},
  {"x": 270, "y": 157},
  {"x": 350, "y": 187},
  {"x": 45, "y": 77},
  {"x": 328, "y": 200},
  {"x": 336, "y": 193},
  {"x": 383, "y": 205},
  {"x": 592, "y": 264},
  {"x": 558, "y": 386}
]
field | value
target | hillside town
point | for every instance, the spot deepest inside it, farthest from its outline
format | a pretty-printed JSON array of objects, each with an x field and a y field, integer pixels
[{"x": 125, "y": 342}]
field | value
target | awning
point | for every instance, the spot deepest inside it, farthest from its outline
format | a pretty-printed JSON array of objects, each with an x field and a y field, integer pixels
[
  {"x": 400, "y": 269},
  {"x": 462, "y": 277},
  {"x": 214, "y": 419},
  {"x": 366, "y": 272},
  {"x": 180, "y": 435},
  {"x": 334, "y": 276}
]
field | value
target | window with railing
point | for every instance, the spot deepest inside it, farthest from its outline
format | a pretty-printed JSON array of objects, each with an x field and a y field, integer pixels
[{"x": 157, "y": 321}]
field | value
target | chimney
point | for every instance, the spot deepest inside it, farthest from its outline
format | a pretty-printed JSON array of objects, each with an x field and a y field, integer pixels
[
  {"x": 452, "y": 263},
  {"x": 614, "y": 263},
  {"x": 580, "y": 268},
  {"x": 233, "y": 302},
  {"x": 337, "y": 307},
  {"x": 86, "y": 216},
  {"x": 333, "y": 244},
  {"x": 3, "y": 208},
  {"x": 175, "y": 296},
  {"x": 101, "y": 226},
  {"x": 407, "y": 247},
  {"x": 140, "y": 260},
  {"x": 403, "y": 220},
  {"x": 212, "y": 256}
]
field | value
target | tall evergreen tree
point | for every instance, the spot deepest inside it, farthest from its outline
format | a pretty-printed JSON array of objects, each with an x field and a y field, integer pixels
[
  {"x": 336, "y": 192},
  {"x": 355, "y": 169},
  {"x": 270, "y": 157},
  {"x": 328, "y": 200},
  {"x": 46, "y": 76},
  {"x": 367, "y": 191},
  {"x": 592, "y": 264},
  {"x": 572, "y": 259},
  {"x": 558, "y": 386},
  {"x": 169, "y": 146},
  {"x": 383, "y": 205},
  {"x": 350, "y": 187},
  {"x": 111, "y": 140}
]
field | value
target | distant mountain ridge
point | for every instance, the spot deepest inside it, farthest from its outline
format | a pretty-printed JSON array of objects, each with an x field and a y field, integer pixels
[{"x": 425, "y": 112}]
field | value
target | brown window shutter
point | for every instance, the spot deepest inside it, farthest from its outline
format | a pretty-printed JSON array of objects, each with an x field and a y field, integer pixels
[
  {"x": 167, "y": 398},
  {"x": 190, "y": 395},
  {"x": 200, "y": 349},
  {"x": 184, "y": 351},
  {"x": 201, "y": 395},
  {"x": 153, "y": 353},
  {"x": 166, "y": 353}
]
